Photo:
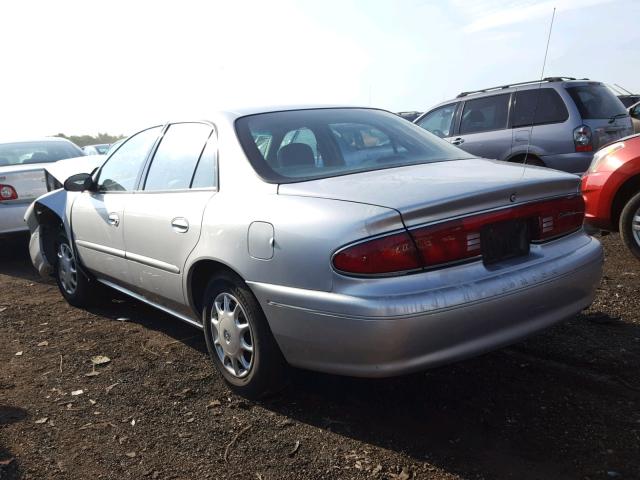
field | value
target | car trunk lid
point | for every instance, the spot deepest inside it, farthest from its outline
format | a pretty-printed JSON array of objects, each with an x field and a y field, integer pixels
[
  {"x": 28, "y": 182},
  {"x": 436, "y": 191}
]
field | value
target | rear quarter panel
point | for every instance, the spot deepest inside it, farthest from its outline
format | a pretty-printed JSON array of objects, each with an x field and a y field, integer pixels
[{"x": 306, "y": 233}]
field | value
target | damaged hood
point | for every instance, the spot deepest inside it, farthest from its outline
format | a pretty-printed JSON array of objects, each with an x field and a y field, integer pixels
[{"x": 63, "y": 169}]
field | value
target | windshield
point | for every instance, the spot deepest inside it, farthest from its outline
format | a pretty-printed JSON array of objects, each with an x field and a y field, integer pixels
[
  {"x": 297, "y": 145},
  {"x": 596, "y": 101},
  {"x": 37, "y": 152}
]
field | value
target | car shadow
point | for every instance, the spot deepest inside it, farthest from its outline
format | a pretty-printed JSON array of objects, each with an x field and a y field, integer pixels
[
  {"x": 15, "y": 261},
  {"x": 534, "y": 410},
  {"x": 539, "y": 409}
]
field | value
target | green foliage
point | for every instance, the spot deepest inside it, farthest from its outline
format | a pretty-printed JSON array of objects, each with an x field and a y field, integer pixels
[{"x": 84, "y": 140}]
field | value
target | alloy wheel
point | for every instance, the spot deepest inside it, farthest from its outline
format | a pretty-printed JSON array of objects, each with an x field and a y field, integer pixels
[
  {"x": 67, "y": 271},
  {"x": 232, "y": 335},
  {"x": 635, "y": 226}
]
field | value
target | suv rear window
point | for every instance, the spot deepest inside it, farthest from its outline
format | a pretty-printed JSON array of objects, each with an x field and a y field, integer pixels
[
  {"x": 542, "y": 103},
  {"x": 596, "y": 101},
  {"x": 297, "y": 145}
]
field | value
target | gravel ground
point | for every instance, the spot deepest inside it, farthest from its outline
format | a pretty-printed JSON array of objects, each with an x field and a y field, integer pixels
[{"x": 563, "y": 404}]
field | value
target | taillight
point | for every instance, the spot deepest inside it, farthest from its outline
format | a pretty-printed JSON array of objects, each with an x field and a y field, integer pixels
[
  {"x": 457, "y": 240},
  {"x": 7, "y": 192},
  {"x": 558, "y": 217},
  {"x": 392, "y": 253},
  {"x": 582, "y": 138}
]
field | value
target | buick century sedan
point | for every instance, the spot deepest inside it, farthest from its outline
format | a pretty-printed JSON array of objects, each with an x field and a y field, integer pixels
[{"x": 343, "y": 240}]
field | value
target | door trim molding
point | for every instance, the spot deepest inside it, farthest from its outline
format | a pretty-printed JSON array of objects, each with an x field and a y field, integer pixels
[
  {"x": 152, "y": 262},
  {"x": 101, "y": 248}
]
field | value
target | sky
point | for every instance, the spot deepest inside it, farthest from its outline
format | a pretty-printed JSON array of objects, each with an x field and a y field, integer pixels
[{"x": 83, "y": 67}]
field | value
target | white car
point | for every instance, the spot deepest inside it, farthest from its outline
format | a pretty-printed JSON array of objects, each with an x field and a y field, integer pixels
[{"x": 27, "y": 171}]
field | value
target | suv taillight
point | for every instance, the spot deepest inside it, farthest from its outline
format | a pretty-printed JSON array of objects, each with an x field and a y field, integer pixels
[
  {"x": 582, "y": 138},
  {"x": 7, "y": 192},
  {"x": 456, "y": 240}
]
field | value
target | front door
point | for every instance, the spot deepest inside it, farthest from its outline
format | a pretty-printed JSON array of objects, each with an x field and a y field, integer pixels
[
  {"x": 163, "y": 219},
  {"x": 97, "y": 218}
]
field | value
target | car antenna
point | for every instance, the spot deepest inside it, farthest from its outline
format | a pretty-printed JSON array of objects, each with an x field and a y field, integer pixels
[{"x": 535, "y": 107}]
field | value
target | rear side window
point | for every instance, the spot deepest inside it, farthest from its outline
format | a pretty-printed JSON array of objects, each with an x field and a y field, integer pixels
[
  {"x": 538, "y": 106},
  {"x": 206, "y": 174},
  {"x": 176, "y": 158},
  {"x": 439, "y": 121},
  {"x": 596, "y": 101},
  {"x": 484, "y": 114}
]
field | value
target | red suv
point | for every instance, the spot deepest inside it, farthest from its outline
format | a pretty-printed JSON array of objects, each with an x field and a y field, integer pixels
[{"x": 611, "y": 190}]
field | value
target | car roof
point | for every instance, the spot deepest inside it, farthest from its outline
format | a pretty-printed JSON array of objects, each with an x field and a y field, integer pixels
[
  {"x": 254, "y": 110},
  {"x": 553, "y": 82},
  {"x": 34, "y": 139}
]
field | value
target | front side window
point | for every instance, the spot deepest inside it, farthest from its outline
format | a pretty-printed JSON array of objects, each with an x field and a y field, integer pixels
[
  {"x": 121, "y": 171},
  {"x": 347, "y": 140},
  {"x": 22, "y": 153},
  {"x": 538, "y": 106},
  {"x": 485, "y": 114},
  {"x": 439, "y": 121},
  {"x": 175, "y": 160},
  {"x": 596, "y": 101}
]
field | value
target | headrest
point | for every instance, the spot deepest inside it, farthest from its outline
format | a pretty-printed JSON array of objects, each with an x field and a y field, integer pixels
[{"x": 296, "y": 154}]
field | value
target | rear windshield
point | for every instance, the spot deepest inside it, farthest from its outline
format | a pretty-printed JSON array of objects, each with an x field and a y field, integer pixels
[
  {"x": 296, "y": 145},
  {"x": 21, "y": 153},
  {"x": 596, "y": 101}
]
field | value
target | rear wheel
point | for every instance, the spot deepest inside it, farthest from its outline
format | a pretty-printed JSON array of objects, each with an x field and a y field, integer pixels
[
  {"x": 239, "y": 340},
  {"x": 530, "y": 160},
  {"x": 74, "y": 285},
  {"x": 630, "y": 225}
]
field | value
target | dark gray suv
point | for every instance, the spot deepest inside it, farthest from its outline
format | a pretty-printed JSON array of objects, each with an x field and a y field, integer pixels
[{"x": 559, "y": 121}]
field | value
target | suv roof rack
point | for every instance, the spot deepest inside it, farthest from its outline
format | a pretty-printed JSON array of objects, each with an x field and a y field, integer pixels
[{"x": 502, "y": 87}]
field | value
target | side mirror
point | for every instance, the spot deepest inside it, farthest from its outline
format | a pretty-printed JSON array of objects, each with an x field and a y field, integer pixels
[
  {"x": 79, "y": 182},
  {"x": 635, "y": 112}
]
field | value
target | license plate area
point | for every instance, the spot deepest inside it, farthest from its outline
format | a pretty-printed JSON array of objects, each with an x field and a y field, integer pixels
[{"x": 505, "y": 240}]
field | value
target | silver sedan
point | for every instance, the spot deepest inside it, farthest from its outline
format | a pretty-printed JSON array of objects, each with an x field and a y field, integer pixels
[{"x": 344, "y": 240}]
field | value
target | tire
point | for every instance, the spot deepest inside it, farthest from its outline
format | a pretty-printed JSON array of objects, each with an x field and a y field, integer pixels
[
  {"x": 531, "y": 160},
  {"x": 241, "y": 346},
  {"x": 629, "y": 218},
  {"x": 76, "y": 288}
]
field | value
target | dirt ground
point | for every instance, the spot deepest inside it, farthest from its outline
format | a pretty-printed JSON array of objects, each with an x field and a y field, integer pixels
[{"x": 564, "y": 404}]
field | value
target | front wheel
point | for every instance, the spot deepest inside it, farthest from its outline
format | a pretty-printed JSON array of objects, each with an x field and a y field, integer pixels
[
  {"x": 75, "y": 287},
  {"x": 239, "y": 340},
  {"x": 630, "y": 225}
]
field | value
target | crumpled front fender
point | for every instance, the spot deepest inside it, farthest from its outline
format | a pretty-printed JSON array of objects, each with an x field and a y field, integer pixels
[{"x": 50, "y": 210}]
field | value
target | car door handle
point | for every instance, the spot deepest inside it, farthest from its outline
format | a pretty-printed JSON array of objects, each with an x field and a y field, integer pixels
[
  {"x": 457, "y": 141},
  {"x": 180, "y": 225},
  {"x": 113, "y": 219}
]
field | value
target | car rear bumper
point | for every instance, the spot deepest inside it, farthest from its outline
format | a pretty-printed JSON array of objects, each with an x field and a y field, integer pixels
[
  {"x": 382, "y": 336},
  {"x": 12, "y": 218},
  {"x": 575, "y": 162}
]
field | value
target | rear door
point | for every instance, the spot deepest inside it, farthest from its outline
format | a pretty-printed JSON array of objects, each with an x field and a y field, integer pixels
[
  {"x": 97, "y": 218},
  {"x": 602, "y": 111},
  {"x": 483, "y": 127},
  {"x": 163, "y": 219}
]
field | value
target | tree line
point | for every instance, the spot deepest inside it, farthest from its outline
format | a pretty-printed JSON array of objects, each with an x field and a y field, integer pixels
[{"x": 84, "y": 140}]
